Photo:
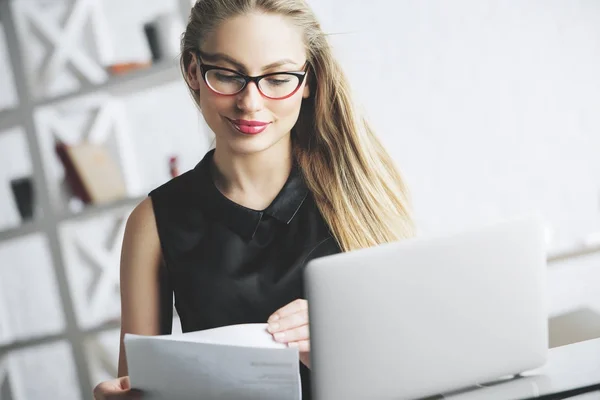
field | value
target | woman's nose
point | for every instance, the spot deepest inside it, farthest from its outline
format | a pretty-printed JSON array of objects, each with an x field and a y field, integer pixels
[{"x": 250, "y": 98}]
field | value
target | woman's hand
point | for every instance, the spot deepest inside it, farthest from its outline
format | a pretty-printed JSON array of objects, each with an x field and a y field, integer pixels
[
  {"x": 116, "y": 389},
  {"x": 289, "y": 325}
]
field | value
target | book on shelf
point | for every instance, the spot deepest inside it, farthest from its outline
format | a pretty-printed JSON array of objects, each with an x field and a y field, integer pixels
[{"x": 91, "y": 173}]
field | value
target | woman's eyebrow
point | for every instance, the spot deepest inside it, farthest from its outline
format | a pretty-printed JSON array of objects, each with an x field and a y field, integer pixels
[
  {"x": 214, "y": 57},
  {"x": 279, "y": 63}
]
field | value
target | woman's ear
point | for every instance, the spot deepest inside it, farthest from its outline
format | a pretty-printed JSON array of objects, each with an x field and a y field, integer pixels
[{"x": 193, "y": 73}]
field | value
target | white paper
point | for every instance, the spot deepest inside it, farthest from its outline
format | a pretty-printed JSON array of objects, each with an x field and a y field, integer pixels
[{"x": 232, "y": 362}]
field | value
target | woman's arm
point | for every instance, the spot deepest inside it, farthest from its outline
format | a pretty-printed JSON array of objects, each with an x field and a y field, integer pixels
[{"x": 140, "y": 263}]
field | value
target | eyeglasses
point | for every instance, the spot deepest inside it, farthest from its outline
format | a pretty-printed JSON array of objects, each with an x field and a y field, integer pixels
[{"x": 228, "y": 82}]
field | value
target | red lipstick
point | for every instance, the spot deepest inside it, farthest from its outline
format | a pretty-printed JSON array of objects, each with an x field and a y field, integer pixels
[{"x": 249, "y": 127}]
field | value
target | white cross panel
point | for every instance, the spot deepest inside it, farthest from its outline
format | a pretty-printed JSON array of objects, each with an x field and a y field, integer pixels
[
  {"x": 66, "y": 50},
  {"x": 108, "y": 122},
  {"x": 93, "y": 269},
  {"x": 107, "y": 258}
]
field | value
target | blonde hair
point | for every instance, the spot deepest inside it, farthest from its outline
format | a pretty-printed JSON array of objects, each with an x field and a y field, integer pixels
[{"x": 355, "y": 184}]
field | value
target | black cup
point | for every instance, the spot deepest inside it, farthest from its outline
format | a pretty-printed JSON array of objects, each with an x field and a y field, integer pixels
[
  {"x": 152, "y": 37},
  {"x": 22, "y": 189}
]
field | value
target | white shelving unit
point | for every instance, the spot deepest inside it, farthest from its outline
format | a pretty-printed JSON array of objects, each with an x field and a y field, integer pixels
[{"x": 48, "y": 218}]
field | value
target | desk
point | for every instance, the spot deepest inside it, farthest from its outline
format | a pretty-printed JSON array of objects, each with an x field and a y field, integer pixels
[{"x": 568, "y": 367}]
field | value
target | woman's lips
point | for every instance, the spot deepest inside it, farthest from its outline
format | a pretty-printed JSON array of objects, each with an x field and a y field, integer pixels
[{"x": 249, "y": 127}]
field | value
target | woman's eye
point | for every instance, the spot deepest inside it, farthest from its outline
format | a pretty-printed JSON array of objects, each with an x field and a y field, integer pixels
[
  {"x": 227, "y": 77},
  {"x": 276, "y": 82}
]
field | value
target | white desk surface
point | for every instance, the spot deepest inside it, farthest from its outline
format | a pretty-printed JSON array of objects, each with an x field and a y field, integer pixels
[{"x": 568, "y": 367}]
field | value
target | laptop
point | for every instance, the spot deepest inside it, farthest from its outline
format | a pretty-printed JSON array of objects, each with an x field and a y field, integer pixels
[{"x": 415, "y": 318}]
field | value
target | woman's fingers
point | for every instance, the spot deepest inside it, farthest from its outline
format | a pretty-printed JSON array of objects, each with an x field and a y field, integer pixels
[
  {"x": 111, "y": 387},
  {"x": 289, "y": 309},
  {"x": 119, "y": 388},
  {"x": 293, "y": 335},
  {"x": 289, "y": 321},
  {"x": 290, "y": 325}
]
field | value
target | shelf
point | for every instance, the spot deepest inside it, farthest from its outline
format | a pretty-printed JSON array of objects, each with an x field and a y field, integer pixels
[
  {"x": 108, "y": 325},
  {"x": 35, "y": 341},
  {"x": 146, "y": 78},
  {"x": 155, "y": 75},
  {"x": 24, "y": 229},
  {"x": 96, "y": 210},
  {"x": 562, "y": 255},
  {"x": 34, "y": 226},
  {"x": 41, "y": 340}
]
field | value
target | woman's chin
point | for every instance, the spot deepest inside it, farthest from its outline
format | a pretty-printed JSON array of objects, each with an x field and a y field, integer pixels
[{"x": 249, "y": 144}]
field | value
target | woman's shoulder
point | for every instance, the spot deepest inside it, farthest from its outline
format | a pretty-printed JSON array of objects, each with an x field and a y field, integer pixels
[
  {"x": 180, "y": 199},
  {"x": 142, "y": 213},
  {"x": 179, "y": 211},
  {"x": 178, "y": 187},
  {"x": 141, "y": 221}
]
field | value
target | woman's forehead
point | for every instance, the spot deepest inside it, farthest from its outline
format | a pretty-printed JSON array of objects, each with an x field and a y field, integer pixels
[{"x": 256, "y": 41}]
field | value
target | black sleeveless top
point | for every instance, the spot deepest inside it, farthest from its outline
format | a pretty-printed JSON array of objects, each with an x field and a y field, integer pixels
[{"x": 227, "y": 264}]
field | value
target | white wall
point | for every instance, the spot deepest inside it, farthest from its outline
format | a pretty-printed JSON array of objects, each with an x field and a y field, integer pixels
[{"x": 490, "y": 109}]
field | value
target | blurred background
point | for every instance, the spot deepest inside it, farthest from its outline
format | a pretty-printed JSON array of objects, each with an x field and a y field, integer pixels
[{"x": 490, "y": 109}]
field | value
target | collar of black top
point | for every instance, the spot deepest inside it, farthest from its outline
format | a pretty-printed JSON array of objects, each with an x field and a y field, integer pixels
[{"x": 244, "y": 221}]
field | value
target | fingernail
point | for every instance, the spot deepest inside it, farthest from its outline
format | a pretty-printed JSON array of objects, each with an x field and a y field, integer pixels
[
  {"x": 279, "y": 336},
  {"x": 273, "y": 327},
  {"x": 273, "y": 318},
  {"x": 292, "y": 344}
]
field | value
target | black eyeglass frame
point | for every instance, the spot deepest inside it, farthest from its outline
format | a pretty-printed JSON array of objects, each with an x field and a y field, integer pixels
[{"x": 204, "y": 68}]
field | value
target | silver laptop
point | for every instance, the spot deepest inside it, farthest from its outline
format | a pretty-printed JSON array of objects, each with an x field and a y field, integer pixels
[{"x": 416, "y": 318}]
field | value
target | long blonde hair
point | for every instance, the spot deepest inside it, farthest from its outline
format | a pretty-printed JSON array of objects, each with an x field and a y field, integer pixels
[{"x": 355, "y": 184}]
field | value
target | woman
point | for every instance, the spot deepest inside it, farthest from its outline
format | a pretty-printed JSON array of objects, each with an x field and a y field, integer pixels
[{"x": 295, "y": 174}]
